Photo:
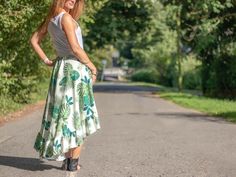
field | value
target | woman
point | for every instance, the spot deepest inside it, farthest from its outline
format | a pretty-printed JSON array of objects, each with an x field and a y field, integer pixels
[{"x": 70, "y": 113}]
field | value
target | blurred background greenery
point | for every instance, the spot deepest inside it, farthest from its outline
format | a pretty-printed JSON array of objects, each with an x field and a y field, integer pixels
[{"x": 181, "y": 44}]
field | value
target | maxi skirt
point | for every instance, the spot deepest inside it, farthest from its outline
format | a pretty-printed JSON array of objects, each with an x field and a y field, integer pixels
[{"x": 70, "y": 112}]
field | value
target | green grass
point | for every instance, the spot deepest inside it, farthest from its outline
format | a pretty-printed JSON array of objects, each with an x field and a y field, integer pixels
[
  {"x": 193, "y": 99},
  {"x": 7, "y": 105},
  {"x": 211, "y": 106}
]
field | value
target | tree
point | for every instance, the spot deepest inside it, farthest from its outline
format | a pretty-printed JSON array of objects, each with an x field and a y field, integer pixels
[
  {"x": 118, "y": 23},
  {"x": 208, "y": 28}
]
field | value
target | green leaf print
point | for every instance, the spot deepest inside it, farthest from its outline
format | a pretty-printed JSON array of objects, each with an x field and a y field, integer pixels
[
  {"x": 65, "y": 111},
  {"x": 80, "y": 93},
  {"x": 69, "y": 100},
  {"x": 80, "y": 89},
  {"x": 39, "y": 142},
  {"x": 66, "y": 131},
  {"x": 59, "y": 125},
  {"x": 55, "y": 112},
  {"x": 74, "y": 75},
  {"x": 90, "y": 117},
  {"x": 63, "y": 81},
  {"x": 83, "y": 90},
  {"x": 79, "y": 140},
  {"x": 91, "y": 96},
  {"x": 86, "y": 80},
  {"x": 87, "y": 109},
  {"x": 86, "y": 99},
  {"x": 73, "y": 134},
  {"x": 76, "y": 120},
  {"x": 57, "y": 145},
  {"x": 46, "y": 124},
  {"x": 67, "y": 69},
  {"x": 70, "y": 76},
  {"x": 49, "y": 151}
]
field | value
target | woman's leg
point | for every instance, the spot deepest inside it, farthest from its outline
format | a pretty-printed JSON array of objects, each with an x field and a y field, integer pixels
[
  {"x": 75, "y": 152},
  {"x": 68, "y": 154}
]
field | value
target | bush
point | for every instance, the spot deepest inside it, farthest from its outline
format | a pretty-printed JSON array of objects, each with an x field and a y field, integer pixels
[
  {"x": 145, "y": 75},
  {"x": 220, "y": 77},
  {"x": 18, "y": 88},
  {"x": 192, "y": 79}
]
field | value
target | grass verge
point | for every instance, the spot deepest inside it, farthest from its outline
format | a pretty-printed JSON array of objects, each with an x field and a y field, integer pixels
[{"x": 193, "y": 99}]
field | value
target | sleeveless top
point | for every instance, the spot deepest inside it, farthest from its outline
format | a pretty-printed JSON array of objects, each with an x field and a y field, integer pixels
[{"x": 58, "y": 36}]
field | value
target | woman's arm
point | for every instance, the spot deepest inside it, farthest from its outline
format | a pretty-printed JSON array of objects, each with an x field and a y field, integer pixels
[
  {"x": 69, "y": 27},
  {"x": 35, "y": 42}
]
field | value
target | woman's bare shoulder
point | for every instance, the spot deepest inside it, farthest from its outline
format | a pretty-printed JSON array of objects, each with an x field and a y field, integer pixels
[
  {"x": 67, "y": 19},
  {"x": 68, "y": 22}
]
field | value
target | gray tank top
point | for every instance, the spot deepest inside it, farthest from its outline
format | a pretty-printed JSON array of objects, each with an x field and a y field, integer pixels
[{"x": 59, "y": 38}]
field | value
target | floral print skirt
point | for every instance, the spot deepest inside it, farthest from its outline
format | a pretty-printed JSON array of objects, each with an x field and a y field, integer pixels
[{"x": 70, "y": 112}]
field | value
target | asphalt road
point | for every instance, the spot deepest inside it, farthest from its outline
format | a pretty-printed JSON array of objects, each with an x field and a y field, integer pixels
[{"x": 141, "y": 136}]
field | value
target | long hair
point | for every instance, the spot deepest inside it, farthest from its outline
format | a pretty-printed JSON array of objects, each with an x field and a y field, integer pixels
[{"x": 54, "y": 10}]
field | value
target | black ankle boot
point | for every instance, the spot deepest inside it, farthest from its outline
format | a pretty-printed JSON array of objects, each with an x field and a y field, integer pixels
[
  {"x": 72, "y": 164},
  {"x": 65, "y": 164}
]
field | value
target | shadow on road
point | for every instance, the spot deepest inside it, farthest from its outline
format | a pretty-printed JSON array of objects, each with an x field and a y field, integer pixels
[
  {"x": 31, "y": 164},
  {"x": 174, "y": 115},
  {"x": 193, "y": 116},
  {"x": 121, "y": 87}
]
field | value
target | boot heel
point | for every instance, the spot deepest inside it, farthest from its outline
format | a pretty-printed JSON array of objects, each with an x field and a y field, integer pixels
[
  {"x": 72, "y": 164},
  {"x": 65, "y": 164}
]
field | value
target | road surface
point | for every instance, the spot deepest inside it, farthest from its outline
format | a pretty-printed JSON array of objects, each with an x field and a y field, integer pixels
[{"x": 141, "y": 136}]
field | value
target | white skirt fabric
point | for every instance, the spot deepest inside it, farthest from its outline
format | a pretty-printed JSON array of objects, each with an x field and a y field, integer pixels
[{"x": 70, "y": 113}]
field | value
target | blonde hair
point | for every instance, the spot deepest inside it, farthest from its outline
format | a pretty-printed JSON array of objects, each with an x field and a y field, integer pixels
[{"x": 54, "y": 10}]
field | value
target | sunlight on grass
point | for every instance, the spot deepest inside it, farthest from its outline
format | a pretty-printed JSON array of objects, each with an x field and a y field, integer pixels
[
  {"x": 216, "y": 107},
  {"x": 193, "y": 99}
]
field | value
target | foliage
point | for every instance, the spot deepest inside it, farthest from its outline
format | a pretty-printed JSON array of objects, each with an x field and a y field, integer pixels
[
  {"x": 156, "y": 47},
  {"x": 118, "y": 23},
  {"x": 146, "y": 32},
  {"x": 208, "y": 27},
  {"x": 20, "y": 67},
  {"x": 145, "y": 75}
]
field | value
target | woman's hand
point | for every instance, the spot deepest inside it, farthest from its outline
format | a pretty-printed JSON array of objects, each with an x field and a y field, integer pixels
[
  {"x": 94, "y": 77},
  {"x": 92, "y": 73},
  {"x": 48, "y": 62}
]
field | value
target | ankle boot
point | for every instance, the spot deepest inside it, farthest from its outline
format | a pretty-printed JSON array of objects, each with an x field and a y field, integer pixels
[{"x": 72, "y": 164}]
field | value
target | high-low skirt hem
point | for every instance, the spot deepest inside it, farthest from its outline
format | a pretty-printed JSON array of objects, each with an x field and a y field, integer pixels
[{"x": 70, "y": 113}]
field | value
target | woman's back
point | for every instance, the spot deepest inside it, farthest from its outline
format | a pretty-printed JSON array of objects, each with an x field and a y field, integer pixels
[{"x": 59, "y": 38}]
